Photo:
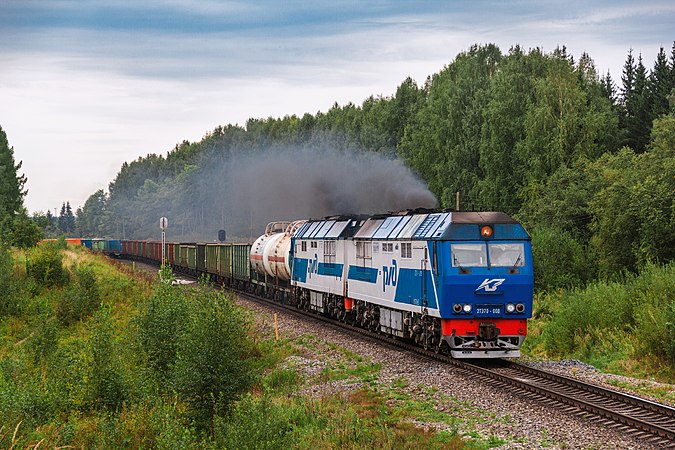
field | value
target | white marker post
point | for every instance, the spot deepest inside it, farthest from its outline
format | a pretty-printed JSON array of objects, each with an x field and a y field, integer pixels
[{"x": 163, "y": 224}]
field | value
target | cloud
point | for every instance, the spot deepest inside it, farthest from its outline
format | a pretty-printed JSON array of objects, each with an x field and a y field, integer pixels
[{"x": 106, "y": 81}]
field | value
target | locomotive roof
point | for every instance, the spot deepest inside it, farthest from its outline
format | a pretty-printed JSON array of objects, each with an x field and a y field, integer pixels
[{"x": 409, "y": 224}]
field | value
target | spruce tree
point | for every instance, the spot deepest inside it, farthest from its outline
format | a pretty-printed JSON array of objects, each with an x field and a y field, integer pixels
[
  {"x": 12, "y": 184},
  {"x": 63, "y": 221},
  {"x": 660, "y": 85}
]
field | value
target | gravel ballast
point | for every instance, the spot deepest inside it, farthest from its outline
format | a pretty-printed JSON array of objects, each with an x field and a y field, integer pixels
[{"x": 474, "y": 407}]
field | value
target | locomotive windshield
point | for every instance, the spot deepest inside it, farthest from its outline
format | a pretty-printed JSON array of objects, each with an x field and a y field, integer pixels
[
  {"x": 501, "y": 255},
  {"x": 506, "y": 255},
  {"x": 469, "y": 255}
]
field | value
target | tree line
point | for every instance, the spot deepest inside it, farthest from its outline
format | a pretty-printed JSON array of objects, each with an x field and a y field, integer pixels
[{"x": 585, "y": 164}]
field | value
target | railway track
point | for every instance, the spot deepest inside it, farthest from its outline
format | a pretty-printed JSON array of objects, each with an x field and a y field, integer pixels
[{"x": 646, "y": 420}]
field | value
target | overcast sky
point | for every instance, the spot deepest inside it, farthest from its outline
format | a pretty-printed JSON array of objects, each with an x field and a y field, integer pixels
[{"x": 88, "y": 84}]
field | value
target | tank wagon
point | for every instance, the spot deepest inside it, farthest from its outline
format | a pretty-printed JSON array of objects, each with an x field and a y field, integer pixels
[{"x": 456, "y": 282}]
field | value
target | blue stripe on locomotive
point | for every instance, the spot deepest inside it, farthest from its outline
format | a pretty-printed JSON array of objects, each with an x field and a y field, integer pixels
[
  {"x": 415, "y": 287},
  {"x": 359, "y": 273},
  {"x": 304, "y": 268}
]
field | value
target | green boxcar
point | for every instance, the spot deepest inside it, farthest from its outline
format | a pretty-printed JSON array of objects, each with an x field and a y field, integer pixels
[
  {"x": 98, "y": 245},
  {"x": 241, "y": 265},
  {"x": 183, "y": 261},
  {"x": 201, "y": 257},
  {"x": 212, "y": 261},
  {"x": 225, "y": 260},
  {"x": 192, "y": 257}
]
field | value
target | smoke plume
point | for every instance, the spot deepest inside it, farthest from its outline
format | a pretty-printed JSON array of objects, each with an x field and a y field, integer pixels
[{"x": 289, "y": 184}]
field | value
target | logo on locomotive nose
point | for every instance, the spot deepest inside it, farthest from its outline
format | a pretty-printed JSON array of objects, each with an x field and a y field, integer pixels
[{"x": 490, "y": 285}]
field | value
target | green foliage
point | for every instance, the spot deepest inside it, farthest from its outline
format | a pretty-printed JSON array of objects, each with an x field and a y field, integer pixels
[
  {"x": 44, "y": 264},
  {"x": 634, "y": 315},
  {"x": 104, "y": 382},
  {"x": 26, "y": 233},
  {"x": 80, "y": 299},
  {"x": 11, "y": 183},
  {"x": 10, "y": 298},
  {"x": 198, "y": 341},
  {"x": 653, "y": 294},
  {"x": 560, "y": 261},
  {"x": 212, "y": 367},
  {"x": 259, "y": 423},
  {"x": 160, "y": 325}
]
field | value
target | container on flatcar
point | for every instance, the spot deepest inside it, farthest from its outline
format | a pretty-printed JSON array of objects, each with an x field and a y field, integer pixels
[
  {"x": 98, "y": 245},
  {"x": 74, "y": 241},
  {"x": 113, "y": 247},
  {"x": 86, "y": 243}
]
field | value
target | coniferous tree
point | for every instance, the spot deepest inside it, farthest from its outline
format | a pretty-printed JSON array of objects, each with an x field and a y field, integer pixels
[
  {"x": 63, "y": 226},
  {"x": 12, "y": 184},
  {"x": 608, "y": 88},
  {"x": 636, "y": 118},
  {"x": 660, "y": 85},
  {"x": 627, "y": 81},
  {"x": 70, "y": 219}
]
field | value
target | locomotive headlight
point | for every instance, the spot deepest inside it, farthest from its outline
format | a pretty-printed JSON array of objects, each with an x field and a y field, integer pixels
[
  {"x": 520, "y": 307},
  {"x": 510, "y": 307},
  {"x": 486, "y": 231},
  {"x": 457, "y": 308},
  {"x": 467, "y": 308}
]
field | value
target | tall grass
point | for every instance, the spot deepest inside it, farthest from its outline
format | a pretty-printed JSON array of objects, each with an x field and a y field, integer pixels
[{"x": 632, "y": 317}]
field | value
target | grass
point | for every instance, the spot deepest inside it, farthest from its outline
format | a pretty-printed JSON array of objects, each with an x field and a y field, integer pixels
[
  {"x": 44, "y": 386},
  {"x": 625, "y": 326}
]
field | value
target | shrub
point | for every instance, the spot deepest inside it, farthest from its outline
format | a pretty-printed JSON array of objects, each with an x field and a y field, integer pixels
[
  {"x": 259, "y": 423},
  {"x": 560, "y": 261},
  {"x": 212, "y": 367},
  {"x": 10, "y": 303},
  {"x": 653, "y": 294},
  {"x": 159, "y": 326},
  {"x": 609, "y": 313},
  {"x": 80, "y": 299},
  {"x": 45, "y": 265},
  {"x": 105, "y": 385}
]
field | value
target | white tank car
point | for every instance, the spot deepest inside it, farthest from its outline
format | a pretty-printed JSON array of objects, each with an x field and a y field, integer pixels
[{"x": 270, "y": 252}]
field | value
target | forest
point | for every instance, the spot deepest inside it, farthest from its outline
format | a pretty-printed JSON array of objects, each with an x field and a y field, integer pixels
[
  {"x": 585, "y": 164},
  {"x": 96, "y": 355}
]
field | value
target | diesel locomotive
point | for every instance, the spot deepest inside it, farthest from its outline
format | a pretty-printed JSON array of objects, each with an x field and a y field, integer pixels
[{"x": 455, "y": 282}]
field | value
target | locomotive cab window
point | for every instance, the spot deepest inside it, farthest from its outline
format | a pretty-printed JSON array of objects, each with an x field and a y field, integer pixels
[
  {"x": 329, "y": 252},
  {"x": 406, "y": 249},
  {"x": 364, "y": 249},
  {"x": 507, "y": 255},
  {"x": 469, "y": 255}
]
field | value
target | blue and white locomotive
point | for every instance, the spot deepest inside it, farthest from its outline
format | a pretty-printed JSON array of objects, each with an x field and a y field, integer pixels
[{"x": 457, "y": 282}]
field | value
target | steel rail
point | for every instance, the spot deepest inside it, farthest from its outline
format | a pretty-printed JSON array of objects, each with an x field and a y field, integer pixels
[
  {"x": 645, "y": 418},
  {"x": 633, "y": 415}
]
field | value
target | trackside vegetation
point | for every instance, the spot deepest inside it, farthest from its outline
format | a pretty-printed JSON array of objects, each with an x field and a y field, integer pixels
[
  {"x": 624, "y": 325},
  {"x": 94, "y": 355}
]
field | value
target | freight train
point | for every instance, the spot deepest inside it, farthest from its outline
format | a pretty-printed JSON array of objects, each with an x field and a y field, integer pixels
[{"x": 455, "y": 282}]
